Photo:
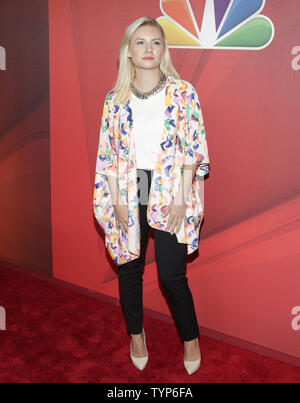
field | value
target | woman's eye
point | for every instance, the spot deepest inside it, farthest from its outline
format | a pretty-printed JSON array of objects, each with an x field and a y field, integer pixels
[
  {"x": 139, "y": 42},
  {"x": 157, "y": 43}
]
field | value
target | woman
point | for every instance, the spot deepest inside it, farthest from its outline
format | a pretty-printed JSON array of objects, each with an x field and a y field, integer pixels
[{"x": 152, "y": 134}]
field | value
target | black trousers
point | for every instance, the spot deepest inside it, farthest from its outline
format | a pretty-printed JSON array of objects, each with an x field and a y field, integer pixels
[{"x": 170, "y": 258}]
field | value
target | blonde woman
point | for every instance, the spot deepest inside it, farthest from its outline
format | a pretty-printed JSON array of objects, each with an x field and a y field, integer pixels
[{"x": 152, "y": 152}]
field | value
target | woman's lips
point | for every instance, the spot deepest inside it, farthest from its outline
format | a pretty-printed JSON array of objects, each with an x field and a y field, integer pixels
[{"x": 148, "y": 58}]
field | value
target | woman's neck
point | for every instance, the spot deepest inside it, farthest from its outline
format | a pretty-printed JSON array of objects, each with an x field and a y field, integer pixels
[{"x": 146, "y": 79}]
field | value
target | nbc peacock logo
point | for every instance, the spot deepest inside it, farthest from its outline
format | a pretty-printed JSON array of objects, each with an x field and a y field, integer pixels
[{"x": 216, "y": 24}]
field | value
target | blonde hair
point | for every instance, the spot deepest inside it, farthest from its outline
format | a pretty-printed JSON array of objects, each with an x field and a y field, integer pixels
[{"x": 126, "y": 70}]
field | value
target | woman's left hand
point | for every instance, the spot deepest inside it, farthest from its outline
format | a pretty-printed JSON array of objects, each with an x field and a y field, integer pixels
[{"x": 177, "y": 214}]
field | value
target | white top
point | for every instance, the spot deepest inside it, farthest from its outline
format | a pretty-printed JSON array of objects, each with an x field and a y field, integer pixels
[{"x": 148, "y": 124}]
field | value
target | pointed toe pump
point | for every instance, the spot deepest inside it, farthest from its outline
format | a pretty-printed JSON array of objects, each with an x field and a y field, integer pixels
[
  {"x": 139, "y": 362},
  {"x": 192, "y": 366}
]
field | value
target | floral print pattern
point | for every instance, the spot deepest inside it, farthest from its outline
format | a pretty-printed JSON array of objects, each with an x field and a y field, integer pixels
[{"x": 183, "y": 142}]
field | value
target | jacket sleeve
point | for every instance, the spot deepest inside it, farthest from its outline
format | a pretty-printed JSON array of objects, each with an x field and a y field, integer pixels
[
  {"x": 196, "y": 151},
  {"x": 106, "y": 163},
  {"x": 105, "y": 166}
]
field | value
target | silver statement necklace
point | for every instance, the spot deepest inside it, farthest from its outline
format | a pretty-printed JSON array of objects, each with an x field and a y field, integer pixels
[{"x": 155, "y": 90}]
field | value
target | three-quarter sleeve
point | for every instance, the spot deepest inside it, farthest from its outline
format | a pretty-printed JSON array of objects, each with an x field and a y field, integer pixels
[
  {"x": 196, "y": 151},
  {"x": 106, "y": 163},
  {"x": 105, "y": 167}
]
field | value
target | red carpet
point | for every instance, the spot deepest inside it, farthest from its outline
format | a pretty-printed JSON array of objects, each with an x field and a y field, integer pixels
[{"x": 54, "y": 334}]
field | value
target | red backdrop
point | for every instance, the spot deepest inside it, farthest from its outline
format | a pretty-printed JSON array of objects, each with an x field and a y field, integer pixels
[
  {"x": 245, "y": 278},
  {"x": 25, "y": 208}
]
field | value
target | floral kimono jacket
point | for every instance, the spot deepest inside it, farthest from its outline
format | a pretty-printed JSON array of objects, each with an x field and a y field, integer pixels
[{"x": 183, "y": 135}]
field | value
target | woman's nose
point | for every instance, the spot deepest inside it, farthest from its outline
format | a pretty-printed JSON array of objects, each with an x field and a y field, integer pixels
[{"x": 148, "y": 47}]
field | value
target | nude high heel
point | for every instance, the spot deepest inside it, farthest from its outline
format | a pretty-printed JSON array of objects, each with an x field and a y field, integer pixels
[
  {"x": 192, "y": 366},
  {"x": 139, "y": 362}
]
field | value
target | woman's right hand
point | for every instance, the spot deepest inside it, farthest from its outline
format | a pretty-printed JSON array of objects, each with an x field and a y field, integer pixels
[
  {"x": 120, "y": 209},
  {"x": 121, "y": 215}
]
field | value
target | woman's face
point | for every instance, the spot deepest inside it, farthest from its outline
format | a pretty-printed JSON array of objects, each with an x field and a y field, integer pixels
[{"x": 146, "y": 47}]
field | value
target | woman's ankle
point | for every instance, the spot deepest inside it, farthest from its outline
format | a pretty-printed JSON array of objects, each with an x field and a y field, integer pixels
[
  {"x": 192, "y": 341},
  {"x": 136, "y": 337}
]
